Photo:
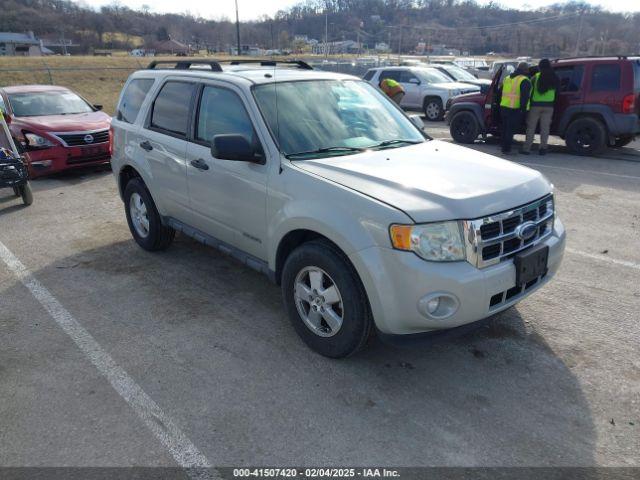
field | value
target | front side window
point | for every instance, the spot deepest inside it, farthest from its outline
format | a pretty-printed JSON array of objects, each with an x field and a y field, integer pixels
[
  {"x": 132, "y": 99},
  {"x": 392, "y": 74},
  {"x": 605, "y": 78},
  {"x": 570, "y": 77},
  {"x": 222, "y": 112},
  {"x": 332, "y": 117},
  {"x": 171, "y": 109},
  {"x": 55, "y": 102},
  {"x": 408, "y": 77}
]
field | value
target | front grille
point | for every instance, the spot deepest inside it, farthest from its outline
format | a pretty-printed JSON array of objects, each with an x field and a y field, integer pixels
[
  {"x": 104, "y": 156},
  {"x": 499, "y": 237},
  {"x": 79, "y": 139}
]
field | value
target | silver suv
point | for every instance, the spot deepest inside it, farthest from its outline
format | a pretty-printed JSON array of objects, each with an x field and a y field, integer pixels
[
  {"x": 326, "y": 186},
  {"x": 426, "y": 88}
]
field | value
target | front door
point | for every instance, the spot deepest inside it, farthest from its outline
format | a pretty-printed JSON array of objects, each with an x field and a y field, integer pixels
[
  {"x": 570, "y": 93},
  {"x": 412, "y": 89},
  {"x": 227, "y": 198}
]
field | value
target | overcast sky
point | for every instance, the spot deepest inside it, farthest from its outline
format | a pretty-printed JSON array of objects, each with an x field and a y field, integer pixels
[{"x": 252, "y": 9}]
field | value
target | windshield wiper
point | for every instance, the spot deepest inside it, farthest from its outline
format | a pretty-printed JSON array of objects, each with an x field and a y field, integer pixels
[
  {"x": 398, "y": 141},
  {"x": 325, "y": 150}
]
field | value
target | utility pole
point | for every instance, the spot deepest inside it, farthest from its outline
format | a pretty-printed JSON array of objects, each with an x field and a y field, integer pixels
[
  {"x": 400, "y": 46},
  {"x": 579, "y": 34},
  {"x": 326, "y": 35},
  {"x": 238, "y": 29}
]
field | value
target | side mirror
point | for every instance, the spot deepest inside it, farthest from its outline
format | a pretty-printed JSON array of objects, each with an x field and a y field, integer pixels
[
  {"x": 235, "y": 147},
  {"x": 415, "y": 81},
  {"x": 97, "y": 107},
  {"x": 417, "y": 121}
]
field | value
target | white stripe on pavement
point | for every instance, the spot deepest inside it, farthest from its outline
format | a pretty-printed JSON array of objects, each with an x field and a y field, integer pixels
[
  {"x": 163, "y": 427},
  {"x": 604, "y": 258}
]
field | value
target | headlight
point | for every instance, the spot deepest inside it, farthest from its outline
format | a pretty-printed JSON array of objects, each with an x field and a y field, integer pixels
[
  {"x": 36, "y": 141},
  {"x": 438, "y": 242}
]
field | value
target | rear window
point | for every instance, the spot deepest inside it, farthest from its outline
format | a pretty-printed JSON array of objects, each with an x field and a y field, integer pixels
[
  {"x": 132, "y": 99},
  {"x": 369, "y": 75},
  {"x": 171, "y": 109},
  {"x": 605, "y": 78}
]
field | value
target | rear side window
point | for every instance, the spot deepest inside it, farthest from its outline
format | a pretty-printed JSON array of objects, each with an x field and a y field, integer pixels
[
  {"x": 605, "y": 78},
  {"x": 222, "y": 112},
  {"x": 369, "y": 75},
  {"x": 171, "y": 107},
  {"x": 132, "y": 99},
  {"x": 570, "y": 77}
]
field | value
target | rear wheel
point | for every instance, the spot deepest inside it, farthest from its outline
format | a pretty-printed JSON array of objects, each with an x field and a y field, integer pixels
[
  {"x": 464, "y": 127},
  {"x": 26, "y": 193},
  {"x": 623, "y": 141},
  {"x": 143, "y": 218},
  {"x": 586, "y": 136},
  {"x": 433, "y": 109},
  {"x": 325, "y": 300}
]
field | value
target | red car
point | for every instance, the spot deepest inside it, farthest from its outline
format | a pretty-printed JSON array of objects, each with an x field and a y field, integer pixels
[
  {"x": 56, "y": 127},
  {"x": 598, "y": 105}
]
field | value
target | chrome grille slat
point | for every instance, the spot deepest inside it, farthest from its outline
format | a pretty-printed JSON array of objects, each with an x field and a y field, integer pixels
[{"x": 481, "y": 251}]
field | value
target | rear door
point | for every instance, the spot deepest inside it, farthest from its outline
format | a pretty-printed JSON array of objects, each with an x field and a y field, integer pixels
[
  {"x": 165, "y": 145},
  {"x": 570, "y": 93},
  {"x": 227, "y": 198},
  {"x": 604, "y": 85}
]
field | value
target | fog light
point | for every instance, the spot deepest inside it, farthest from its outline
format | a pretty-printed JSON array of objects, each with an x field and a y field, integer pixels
[
  {"x": 439, "y": 305},
  {"x": 433, "y": 304},
  {"x": 42, "y": 163}
]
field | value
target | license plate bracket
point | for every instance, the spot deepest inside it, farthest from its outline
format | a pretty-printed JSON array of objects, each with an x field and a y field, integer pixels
[{"x": 531, "y": 264}]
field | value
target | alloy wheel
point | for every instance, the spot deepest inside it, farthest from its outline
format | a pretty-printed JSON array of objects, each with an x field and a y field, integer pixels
[
  {"x": 318, "y": 301},
  {"x": 139, "y": 215}
]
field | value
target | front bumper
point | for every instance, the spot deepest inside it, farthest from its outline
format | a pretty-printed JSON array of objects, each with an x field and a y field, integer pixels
[
  {"x": 397, "y": 281},
  {"x": 59, "y": 158}
]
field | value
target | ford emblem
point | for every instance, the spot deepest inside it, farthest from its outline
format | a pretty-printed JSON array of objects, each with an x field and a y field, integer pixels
[
  {"x": 526, "y": 230},
  {"x": 88, "y": 139}
]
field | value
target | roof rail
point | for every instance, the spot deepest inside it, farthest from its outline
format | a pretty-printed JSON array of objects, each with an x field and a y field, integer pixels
[
  {"x": 273, "y": 63},
  {"x": 619, "y": 57},
  {"x": 186, "y": 64}
]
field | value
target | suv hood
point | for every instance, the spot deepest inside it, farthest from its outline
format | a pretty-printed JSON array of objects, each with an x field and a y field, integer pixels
[
  {"x": 453, "y": 86},
  {"x": 434, "y": 181}
]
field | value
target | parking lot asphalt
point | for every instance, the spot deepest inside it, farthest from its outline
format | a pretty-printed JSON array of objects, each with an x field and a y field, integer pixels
[{"x": 554, "y": 381}]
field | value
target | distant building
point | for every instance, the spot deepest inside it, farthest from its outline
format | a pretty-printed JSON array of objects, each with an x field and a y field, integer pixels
[
  {"x": 382, "y": 47},
  {"x": 332, "y": 48},
  {"x": 170, "y": 47},
  {"x": 20, "y": 44}
]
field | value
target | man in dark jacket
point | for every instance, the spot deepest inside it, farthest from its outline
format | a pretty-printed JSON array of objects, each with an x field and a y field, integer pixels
[{"x": 514, "y": 102}]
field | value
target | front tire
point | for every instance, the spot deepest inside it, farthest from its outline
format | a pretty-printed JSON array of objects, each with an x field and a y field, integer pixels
[
  {"x": 464, "y": 127},
  {"x": 433, "y": 109},
  {"x": 325, "y": 300},
  {"x": 586, "y": 136},
  {"x": 143, "y": 218},
  {"x": 26, "y": 193}
]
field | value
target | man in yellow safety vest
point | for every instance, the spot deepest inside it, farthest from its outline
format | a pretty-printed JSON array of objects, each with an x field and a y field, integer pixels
[
  {"x": 393, "y": 89},
  {"x": 514, "y": 103}
]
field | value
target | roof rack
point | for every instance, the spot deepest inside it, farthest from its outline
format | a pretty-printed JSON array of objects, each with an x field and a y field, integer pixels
[
  {"x": 273, "y": 63},
  {"x": 186, "y": 64},
  {"x": 216, "y": 67},
  {"x": 618, "y": 57}
]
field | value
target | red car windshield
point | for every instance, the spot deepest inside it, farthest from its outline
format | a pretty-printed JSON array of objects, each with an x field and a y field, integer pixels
[{"x": 47, "y": 103}]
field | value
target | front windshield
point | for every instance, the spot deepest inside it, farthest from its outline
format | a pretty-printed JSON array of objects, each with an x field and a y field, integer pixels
[
  {"x": 460, "y": 74},
  {"x": 432, "y": 75},
  {"x": 47, "y": 103},
  {"x": 338, "y": 117}
]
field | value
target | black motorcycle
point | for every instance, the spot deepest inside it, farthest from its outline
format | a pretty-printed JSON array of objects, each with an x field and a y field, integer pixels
[{"x": 13, "y": 168}]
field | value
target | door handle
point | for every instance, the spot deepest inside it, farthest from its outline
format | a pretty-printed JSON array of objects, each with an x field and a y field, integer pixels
[
  {"x": 200, "y": 164},
  {"x": 146, "y": 146}
]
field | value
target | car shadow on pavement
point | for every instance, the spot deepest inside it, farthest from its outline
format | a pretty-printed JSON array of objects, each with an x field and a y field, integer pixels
[
  {"x": 71, "y": 177},
  {"x": 209, "y": 341}
]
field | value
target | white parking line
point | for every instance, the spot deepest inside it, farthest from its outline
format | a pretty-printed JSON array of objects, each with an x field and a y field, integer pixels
[
  {"x": 185, "y": 453},
  {"x": 604, "y": 258}
]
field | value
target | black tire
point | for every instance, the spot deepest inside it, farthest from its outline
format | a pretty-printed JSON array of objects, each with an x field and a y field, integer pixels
[
  {"x": 357, "y": 322},
  {"x": 26, "y": 193},
  {"x": 158, "y": 236},
  {"x": 464, "y": 127},
  {"x": 586, "y": 136},
  {"x": 433, "y": 109},
  {"x": 16, "y": 191},
  {"x": 623, "y": 141}
]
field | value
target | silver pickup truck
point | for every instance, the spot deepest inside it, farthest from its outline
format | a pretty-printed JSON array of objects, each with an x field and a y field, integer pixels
[{"x": 322, "y": 183}]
